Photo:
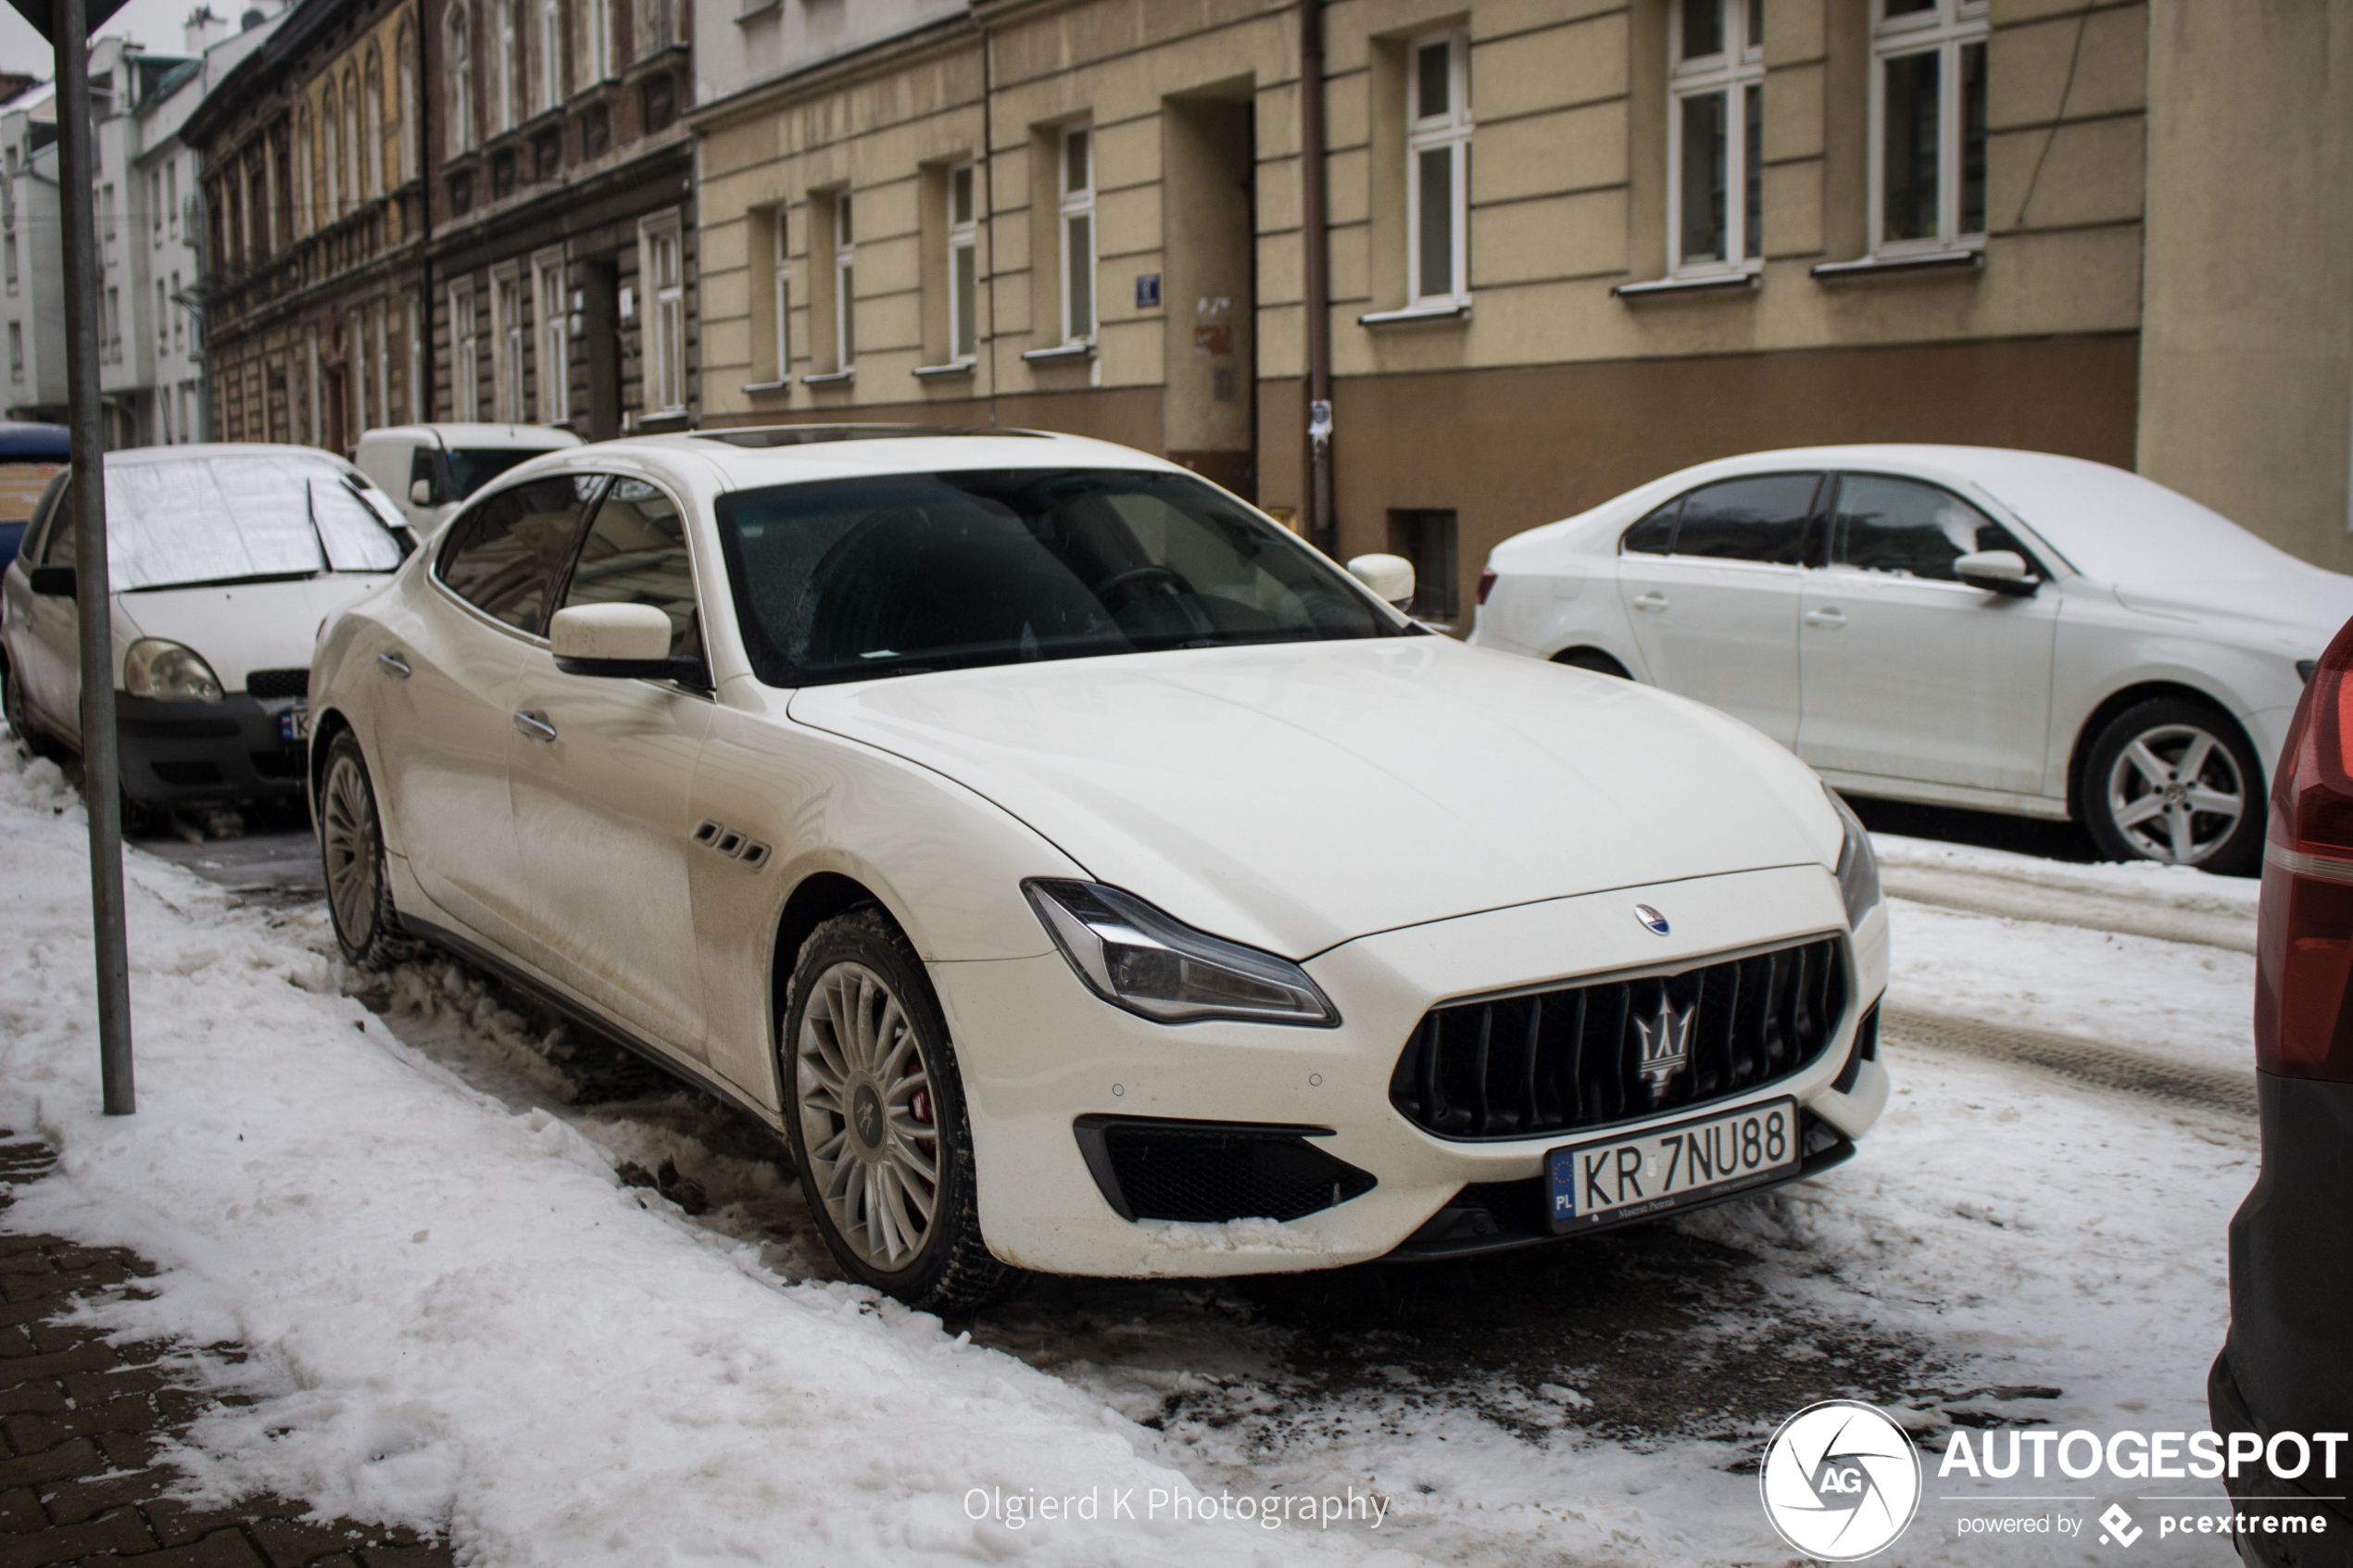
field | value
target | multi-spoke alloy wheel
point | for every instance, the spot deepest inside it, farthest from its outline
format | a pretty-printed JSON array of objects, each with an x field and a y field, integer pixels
[
  {"x": 876, "y": 1118},
  {"x": 2170, "y": 780},
  {"x": 351, "y": 845},
  {"x": 867, "y": 1116}
]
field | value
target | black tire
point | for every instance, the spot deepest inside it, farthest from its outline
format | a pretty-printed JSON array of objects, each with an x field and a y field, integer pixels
[
  {"x": 863, "y": 1183},
  {"x": 351, "y": 847},
  {"x": 1594, "y": 660},
  {"x": 29, "y": 734},
  {"x": 2136, "y": 765}
]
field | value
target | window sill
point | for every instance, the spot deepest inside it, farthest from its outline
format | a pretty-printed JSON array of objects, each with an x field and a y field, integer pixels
[
  {"x": 953, "y": 367},
  {"x": 831, "y": 378},
  {"x": 755, "y": 9},
  {"x": 660, "y": 418},
  {"x": 1061, "y": 354},
  {"x": 777, "y": 385},
  {"x": 1708, "y": 282},
  {"x": 1417, "y": 315},
  {"x": 1971, "y": 256}
]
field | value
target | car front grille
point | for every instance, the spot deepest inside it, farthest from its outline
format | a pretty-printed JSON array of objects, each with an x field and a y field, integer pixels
[
  {"x": 1612, "y": 1050},
  {"x": 1212, "y": 1171},
  {"x": 268, "y": 683}
]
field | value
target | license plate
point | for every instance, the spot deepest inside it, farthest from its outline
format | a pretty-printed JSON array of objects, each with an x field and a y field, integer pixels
[
  {"x": 294, "y": 725},
  {"x": 1666, "y": 1168}
]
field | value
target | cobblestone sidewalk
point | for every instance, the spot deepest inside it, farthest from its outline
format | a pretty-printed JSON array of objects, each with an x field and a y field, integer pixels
[{"x": 81, "y": 1421}]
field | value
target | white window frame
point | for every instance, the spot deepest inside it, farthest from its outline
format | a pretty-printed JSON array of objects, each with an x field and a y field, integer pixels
[
  {"x": 508, "y": 345},
  {"x": 1449, "y": 132},
  {"x": 171, "y": 198},
  {"x": 845, "y": 284},
  {"x": 1946, "y": 28},
  {"x": 964, "y": 250},
  {"x": 1735, "y": 72},
  {"x": 459, "y": 26},
  {"x": 597, "y": 46},
  {"x": 407, "y": 75},
  {"x": 504, "y": 64},
  {"x": 549, "y": 294},
  {"x": 780, "y": 289},
  {"x": 1077, "y": 204},
  {"x": 551, "y": 54},
  {"x": 664, "y": 355}
]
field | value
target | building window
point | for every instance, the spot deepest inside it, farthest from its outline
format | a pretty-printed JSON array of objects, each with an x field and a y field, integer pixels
[
  {"x": 1078, "y": 234},
  {"x": 8, "y": 257},
  {"x": 106, "y": 213},
  {"x": 1427, "y": 539},
  {"x": 465, "y": 386},
  {"x": 461, "y": 83},
  {"x": 330, "y": 124},
  {"x": 780, "y": 293},
  {"x": 171, "y": 199},
  {"x": 551, "y": 54},
  {"x": 1715, "y": 135},
  {"x": 163, "y": 322},
  {"x": 507, "y": 328},
  {"x": 354, "y": 192},
  {"x": 598, "y": 54},
  {"x": 16, "y": 351},
  {"x": 1927, "y": 124},
  {"x": 963, "y": 275},
  {"x": 845, "y": 287},
  {"x": 1437, "y": 170},
  {"x": 406, "y": 51},
  {"x": 505, "y": 65},
  {"x": 178, "y": 320},
  {"x": 662, "y": 24},
  {"x": 548, "y": 308},
  {"x": 357, "y": 359},
  {"x": 155, "y": 206},
  {"x": 663, "y": 274},
  {"x": 371, "y": 141}
]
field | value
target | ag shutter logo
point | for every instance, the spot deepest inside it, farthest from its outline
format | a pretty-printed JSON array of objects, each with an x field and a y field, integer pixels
[{"x": 1841, "y": 1481}]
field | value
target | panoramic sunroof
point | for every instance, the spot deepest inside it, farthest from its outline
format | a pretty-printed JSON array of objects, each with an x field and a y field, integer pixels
[{"x": 809, "y": 435}]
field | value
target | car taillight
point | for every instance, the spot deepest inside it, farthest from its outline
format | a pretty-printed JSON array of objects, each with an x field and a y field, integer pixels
[
  {"x": 1486, "y": 582},
  {"x": 2303, "y": 943}
]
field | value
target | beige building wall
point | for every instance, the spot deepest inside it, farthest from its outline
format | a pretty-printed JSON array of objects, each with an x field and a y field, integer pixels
[{"x": 2246, "y": 361}]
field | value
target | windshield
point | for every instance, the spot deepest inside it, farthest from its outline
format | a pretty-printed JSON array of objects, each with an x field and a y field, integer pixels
[
  {"x": 470, "y": 468},
  {"x": 212, "y": 519},
  {"x": 846, "y": 580}
]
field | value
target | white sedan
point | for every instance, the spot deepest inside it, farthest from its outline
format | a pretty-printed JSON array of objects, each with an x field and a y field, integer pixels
[
  {"x": 2006, "y": 631},
  {"x": 1081, "y": 873}
]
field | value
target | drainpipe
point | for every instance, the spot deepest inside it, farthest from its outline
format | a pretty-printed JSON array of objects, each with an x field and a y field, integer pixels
[
  {"x": 421, "y": 397},
  {"x": 1322, "y": 529}
]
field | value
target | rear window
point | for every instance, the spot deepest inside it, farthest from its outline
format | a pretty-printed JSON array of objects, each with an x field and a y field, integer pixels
[
  {"x": 183, "y": 522},
  {"x": 470, "y": 468}
]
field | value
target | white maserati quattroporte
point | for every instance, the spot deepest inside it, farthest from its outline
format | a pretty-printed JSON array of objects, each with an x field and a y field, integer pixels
[{"x": 1082, "y": 874}]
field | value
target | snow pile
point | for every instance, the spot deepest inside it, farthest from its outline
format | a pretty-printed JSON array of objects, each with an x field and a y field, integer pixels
[{"x": 463, "y": 1321}]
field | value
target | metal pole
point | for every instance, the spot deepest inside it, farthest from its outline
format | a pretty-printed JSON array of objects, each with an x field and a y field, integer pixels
[
  {"x": 1323, "y": 528},
  {"x": 101, "y": 786}
]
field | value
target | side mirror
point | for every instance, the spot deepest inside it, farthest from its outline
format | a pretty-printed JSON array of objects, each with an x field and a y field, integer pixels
[
  {"x": 1390, "y": 577},
  {"x": 620, "y": 640},
  {"x": 1997, "y": 571},
  {"x": 421, "y": 492},
  {"x": 53, "y": 582}
]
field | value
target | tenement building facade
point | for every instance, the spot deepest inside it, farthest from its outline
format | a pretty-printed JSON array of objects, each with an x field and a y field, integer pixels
[
  {"x": 314, "y": 288},
  {"x": 1544, "y": 250},
  {"x": 564, "y": 237}
]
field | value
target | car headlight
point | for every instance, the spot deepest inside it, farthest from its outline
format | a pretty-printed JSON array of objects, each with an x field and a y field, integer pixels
[
  {"x": 1857, "y": 866},
  {"x": 1135, "y": 957},
  {"x": 157, "y": 669}
]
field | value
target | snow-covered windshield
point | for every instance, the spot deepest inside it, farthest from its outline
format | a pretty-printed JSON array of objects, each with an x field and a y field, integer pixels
[
  {"x": 2117, "y": 527},
  {"x": 845, "y": 580},
  {"x": 177, "y": 521}
]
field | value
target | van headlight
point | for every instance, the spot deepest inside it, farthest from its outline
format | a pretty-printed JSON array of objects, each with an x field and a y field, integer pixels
[
  {"x": 1857, "y": 866},
  {"x": 169, "y": 672},
  {"x": 1134, "y": 956}
]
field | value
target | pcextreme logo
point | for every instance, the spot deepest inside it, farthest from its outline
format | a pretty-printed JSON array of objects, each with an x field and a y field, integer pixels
[{"x": 1841, "y": 1481}]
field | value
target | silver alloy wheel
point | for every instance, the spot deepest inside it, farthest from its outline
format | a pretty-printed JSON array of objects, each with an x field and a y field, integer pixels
[
  {"x": 347, "y": 838},
  {"x": 2175, "y": 794},
  {"x": 867, "y": 1116}
]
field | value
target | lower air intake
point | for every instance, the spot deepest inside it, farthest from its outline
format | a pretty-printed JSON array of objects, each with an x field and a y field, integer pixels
[{"x": 1211, "y": 1172}]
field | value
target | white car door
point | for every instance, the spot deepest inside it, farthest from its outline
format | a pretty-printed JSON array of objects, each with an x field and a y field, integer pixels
[
  {"x": 1908, "y": 673},
  {"x": 1710, "y": 583},
  {"x": 601, "y": 773}
]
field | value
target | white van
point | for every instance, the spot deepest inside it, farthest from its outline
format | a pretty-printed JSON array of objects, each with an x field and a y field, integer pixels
[{"x": 430, "y": 470}]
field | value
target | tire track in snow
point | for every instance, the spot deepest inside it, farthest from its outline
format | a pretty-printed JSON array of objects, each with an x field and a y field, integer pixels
[
  {"x": 1979, "y": 892},
  {"x": 2072, "y": 1056}
]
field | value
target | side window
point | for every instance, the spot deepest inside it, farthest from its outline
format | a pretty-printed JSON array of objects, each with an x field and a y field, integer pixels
[
  {"x": 1910, "y": 529},
  {"x": 1655, "y": 535},
  {"x": 503, "y": 556},
  {"x": 1758, "y": 519},
  {"x": 635, "y": 553},
  {"x": 58, "y": 549}
]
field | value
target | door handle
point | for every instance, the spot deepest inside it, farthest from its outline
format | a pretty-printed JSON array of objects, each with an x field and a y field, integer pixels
[
  {"x": 1828, "y": 619},
  {"x": 1653, "y": 602},
  {"x": 535, "y": 727},
  {"x": 393, "y": 665}
]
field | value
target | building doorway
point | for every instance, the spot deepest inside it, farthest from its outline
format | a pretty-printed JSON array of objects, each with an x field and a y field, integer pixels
[{"x": 1209, "y": 294}]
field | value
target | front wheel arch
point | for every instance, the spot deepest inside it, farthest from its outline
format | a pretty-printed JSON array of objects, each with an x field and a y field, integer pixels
[{"x": 2087, "y": 733}]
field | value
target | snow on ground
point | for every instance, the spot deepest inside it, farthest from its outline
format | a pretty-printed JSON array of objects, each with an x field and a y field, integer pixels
[
  {"x": 461, "y": 1320},
  {"x": 2180, "y": 887}
]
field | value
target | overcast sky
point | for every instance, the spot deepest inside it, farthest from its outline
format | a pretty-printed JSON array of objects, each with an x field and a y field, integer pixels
[{"x": 154, "y": 24}]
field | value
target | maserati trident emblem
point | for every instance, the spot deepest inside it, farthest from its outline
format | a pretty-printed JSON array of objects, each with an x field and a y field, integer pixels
[
  {"x": 1666, "y": 1040},
  {"x": 1650, "y": 918}
]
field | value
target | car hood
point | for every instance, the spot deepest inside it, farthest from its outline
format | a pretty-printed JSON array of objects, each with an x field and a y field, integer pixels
[
  {"x": 1295, "y": 796},
  {"x": 239, "y": 628},
  {"x": 2298, "y": 607}
]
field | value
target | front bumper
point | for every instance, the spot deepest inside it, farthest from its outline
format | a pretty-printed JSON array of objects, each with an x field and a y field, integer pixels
[
  {"x": 182, "y": 753},
  {"x": 1039, "y": 1053}
]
